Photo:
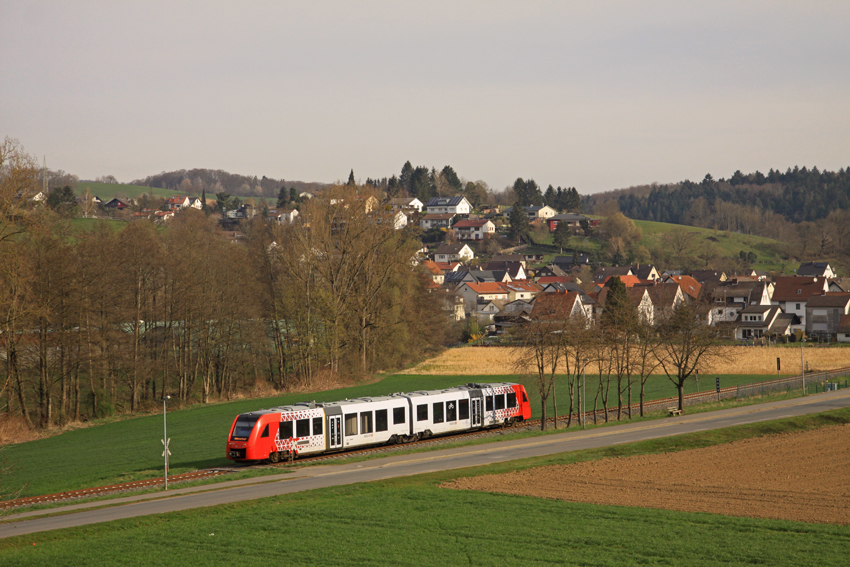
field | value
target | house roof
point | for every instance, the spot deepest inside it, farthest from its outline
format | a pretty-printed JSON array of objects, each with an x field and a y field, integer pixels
[
  {"x": 706, "y": 275},
  {"x": 793, "y": 288},
  {"x": 635, "y": 295},
  {"x": 554, "y": 305},
  {"x": 554, "y": 279},
  {"x": 568, "y": 217},
  {"x": 688, "y": 284},
  {"x": 523, "y": 285},
  {"x": 444, "y": 201},
  {"x": 663, "y": 294},
  {"x": 602, "y": 273},
  {"x": 451, "y": 248},
  {"x": 813, "y": 268},
  {"x": 508, "y": 258},
  {"x": 447, "y": 266},
  {"x": 843, "y": 324},
  {"x": 628, "y": 281},
  {"x": 830, "y": 299},
  {"x": 486, "y": 287},
  {"x": 432, "y": 268}
]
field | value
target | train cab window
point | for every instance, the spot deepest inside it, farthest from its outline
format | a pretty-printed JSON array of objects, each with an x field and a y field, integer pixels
[
  {"x": 500, "y": 401},
  {"x": 285, "y": 431},
  {"x": 244, "y": 425},
  {"x": 365, "y": 422},
  {"x": 451, "y": 411},
  {"x": 350, "y": 424},
  {"x": 524, "y": 399},
  {"x": 317, "y": 426},
  {"x": 464, "y": 409},
  {"x": 265, "y": 432},
  {"x": 398, "y": 416},
  {"x": 302, "y": 428},
  {"x": 489, "y": 403},
  {"x": 422, "y": 412},
  {"x": 438, "y": 412},
  {"x": 381, "y": 422},
  {"x": 512, "y": 400}
]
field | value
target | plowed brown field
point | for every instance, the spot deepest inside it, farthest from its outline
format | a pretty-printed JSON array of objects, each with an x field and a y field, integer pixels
[{"x": 801, "y": 476}]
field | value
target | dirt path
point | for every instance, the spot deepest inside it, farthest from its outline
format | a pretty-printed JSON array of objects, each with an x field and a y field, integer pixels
[{"x": 796, "y": 476}]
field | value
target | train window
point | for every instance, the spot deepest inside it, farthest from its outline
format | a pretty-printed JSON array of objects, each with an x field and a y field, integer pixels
[
  {"x": 524, "y": 399},
  {"x": 350, "y": 424},
  {"x": 243, "y": 427},
  {"x": 500, "y": 401},
  {"x": 451, "y": 411},
  {"x": 317, "y": 426},
  {"x": 398, "y": 416},
  {"x": 265, "y": 432},
  {"x": 366, "y": 422},
  {"x": 422, "y": 412},
  {"x": 438, "y": 412},
  {"x": 381, "y": 421},
  {"x": 512, "y": 400},
  {"x": 489, "y": 403},
  {"x": 302, "y": 428},
  {"x": 464, "y": 409},
  {"x": 285, "y": 431}
]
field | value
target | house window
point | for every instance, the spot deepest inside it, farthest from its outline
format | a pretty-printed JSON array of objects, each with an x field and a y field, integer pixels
[{"x": 798, "y": 307}]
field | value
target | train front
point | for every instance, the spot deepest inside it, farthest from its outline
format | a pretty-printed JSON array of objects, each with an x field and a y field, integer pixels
[{"x": 249, "y": 438}]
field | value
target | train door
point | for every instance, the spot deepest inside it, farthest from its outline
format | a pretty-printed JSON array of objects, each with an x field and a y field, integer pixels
[
  {"x": 334, "y": 432},
  {"x": 476, "y": 412}
]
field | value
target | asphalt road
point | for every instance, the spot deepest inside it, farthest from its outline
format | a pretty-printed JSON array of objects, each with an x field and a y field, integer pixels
[{"x": 308, "y": 478}]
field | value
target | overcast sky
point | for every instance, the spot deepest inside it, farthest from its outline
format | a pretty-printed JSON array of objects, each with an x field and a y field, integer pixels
[{"x": 597, "y": 95}]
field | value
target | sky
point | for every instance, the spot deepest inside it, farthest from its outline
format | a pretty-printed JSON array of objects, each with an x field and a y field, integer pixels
[{"x": 594, "y": 95}]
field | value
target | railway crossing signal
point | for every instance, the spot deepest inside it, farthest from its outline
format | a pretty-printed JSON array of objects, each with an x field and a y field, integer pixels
[{"x": 167, "y": 450}]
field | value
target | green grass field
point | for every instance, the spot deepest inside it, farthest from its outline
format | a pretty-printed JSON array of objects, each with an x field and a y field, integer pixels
[
  {"x": 107, "y": 191},
  {"x": 130, "y": 449},
  {"x": 411, "y": 521},
  {"x": 729, "y": 244}
]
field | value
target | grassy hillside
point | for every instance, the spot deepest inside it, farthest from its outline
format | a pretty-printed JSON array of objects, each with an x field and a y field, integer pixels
[{"x": 729, "y": 244}]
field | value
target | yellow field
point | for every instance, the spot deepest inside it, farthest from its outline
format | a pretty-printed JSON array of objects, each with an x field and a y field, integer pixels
[{"x": 472, "y": 361}]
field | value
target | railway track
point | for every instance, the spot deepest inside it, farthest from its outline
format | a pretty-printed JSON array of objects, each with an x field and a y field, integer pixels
[{"x": 102, "y": 490}]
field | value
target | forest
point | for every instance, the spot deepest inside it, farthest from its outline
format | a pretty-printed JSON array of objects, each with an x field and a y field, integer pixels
[{"x": 100, "y": 321}]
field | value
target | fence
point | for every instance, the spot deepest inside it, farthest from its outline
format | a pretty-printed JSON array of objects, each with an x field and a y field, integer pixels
[{"x": 815, "y": 382}]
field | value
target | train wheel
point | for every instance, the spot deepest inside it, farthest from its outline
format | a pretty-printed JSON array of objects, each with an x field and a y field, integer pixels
[{"x": 274, "y": 457}]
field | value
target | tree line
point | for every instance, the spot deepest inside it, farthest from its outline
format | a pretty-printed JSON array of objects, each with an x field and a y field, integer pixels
[
  {"x": 101, "y": 321},
  {"x": 621, "y": 348}
]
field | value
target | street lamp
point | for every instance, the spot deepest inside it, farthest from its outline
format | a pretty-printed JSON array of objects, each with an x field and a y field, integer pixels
[
  {"x": 583, "y": 395},
  {"x": 165, "y": 439}
]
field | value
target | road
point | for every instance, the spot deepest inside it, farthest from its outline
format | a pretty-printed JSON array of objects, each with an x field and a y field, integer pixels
[{"x": 309, "y": 478}]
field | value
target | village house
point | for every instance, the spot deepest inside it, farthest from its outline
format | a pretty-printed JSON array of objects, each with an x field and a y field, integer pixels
[
  {"x": 473, "y": 229},
  {"x": 824, "y": 313},
  {"x": 572, "y": 220},
  {"x": 815, "y": 270},
  {"x": 451, "y": 251},
  {"x": 430, "y": 221},
  {"x": 792, "y": 293},
  {"x": 557, "y": 308},
  {"x": 406, "y": 204},
  {"x": 452, "y": 205},
  {"x": 757, "y": 321}
]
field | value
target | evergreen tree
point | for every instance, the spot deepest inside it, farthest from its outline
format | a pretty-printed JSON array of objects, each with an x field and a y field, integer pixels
[
  {"x": 618, "y": 314},
  {"x": 519, "y": 229},
  {"x": 283, "y": 197},
  {"x": 204, "y": 207},
  {"x": 406, "y": 178},
  {"x": 549, "y": 197},
  {"x": 351, "y": 181},
  {"x": 452, "y": 179},
  {"x": 562, "y": 235},
  {"x": 293, "y": 195}
]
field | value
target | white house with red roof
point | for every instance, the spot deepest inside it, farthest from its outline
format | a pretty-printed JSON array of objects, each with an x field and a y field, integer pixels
[{"x": 474, "y": 229}]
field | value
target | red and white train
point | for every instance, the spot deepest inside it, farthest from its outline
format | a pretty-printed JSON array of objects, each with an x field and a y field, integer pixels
[{"x": 313, "y": 428}]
